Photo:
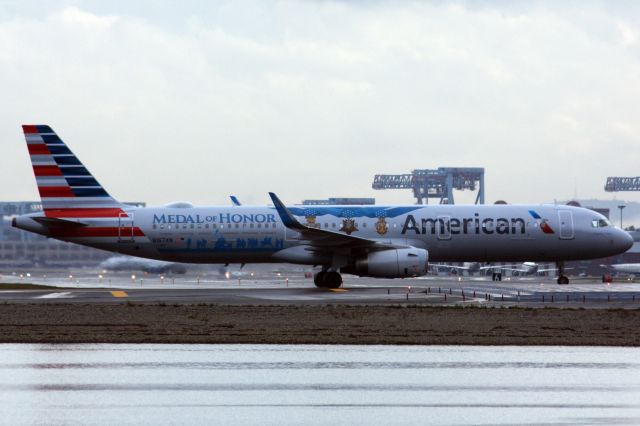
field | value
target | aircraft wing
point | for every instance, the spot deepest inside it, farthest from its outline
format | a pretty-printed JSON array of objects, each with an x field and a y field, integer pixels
[
  {"x": 502, "y": 268},
  {"x": 552, "y": 269},
  {"x": 438, "y": 265},
  {"x": 323, "y": 237}
]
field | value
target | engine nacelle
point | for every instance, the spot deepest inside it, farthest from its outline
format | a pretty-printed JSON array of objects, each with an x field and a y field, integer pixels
[{"x": 398, "y": 263}]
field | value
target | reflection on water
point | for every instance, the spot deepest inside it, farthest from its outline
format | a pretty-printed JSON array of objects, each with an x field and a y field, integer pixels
[{"x": 313, "y": 384}]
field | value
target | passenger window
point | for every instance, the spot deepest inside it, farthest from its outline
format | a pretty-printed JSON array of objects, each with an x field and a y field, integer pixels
[
  {"x": 155, "y": 226},
  {"x": 333, "y": 225},
  {"x": 259, "y": 225},
  {"x": 251, "y": 225},
  {"x": 364, "y": 224}
]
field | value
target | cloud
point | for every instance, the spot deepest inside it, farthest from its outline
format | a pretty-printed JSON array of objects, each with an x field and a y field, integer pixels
[
  {"x": 311, "y": 99},
  {"x": 75, "y": 16},
  {"x": 627, "y": 34}
]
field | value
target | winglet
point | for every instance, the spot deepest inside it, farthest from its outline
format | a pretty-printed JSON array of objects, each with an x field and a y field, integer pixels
[
  {"x": 285, "y": 215},
  {"x": 234, "y": 200}
]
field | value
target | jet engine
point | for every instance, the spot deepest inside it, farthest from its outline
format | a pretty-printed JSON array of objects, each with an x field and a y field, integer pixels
[{"x": 398, "y": 263}]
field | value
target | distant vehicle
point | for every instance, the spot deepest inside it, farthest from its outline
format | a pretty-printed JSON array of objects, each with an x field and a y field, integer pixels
[
  {"x": 369, "y": 241},
  {"x": 151, "y": 266},
  {"x": 631, "y": 269}
]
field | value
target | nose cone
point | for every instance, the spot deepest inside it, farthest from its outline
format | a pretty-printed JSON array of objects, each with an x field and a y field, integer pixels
[{"x": 624, "y": 240}]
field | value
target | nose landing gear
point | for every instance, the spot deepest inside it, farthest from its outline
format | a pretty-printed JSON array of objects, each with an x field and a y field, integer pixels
[
  {"x": 327, "y": 279},
  {"x": 562, "y": 278}
]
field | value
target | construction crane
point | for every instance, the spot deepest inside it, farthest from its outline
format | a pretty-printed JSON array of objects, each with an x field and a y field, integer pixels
[
  {"x": 435, "y": 183},
  {"x": 617, "y": 184}
]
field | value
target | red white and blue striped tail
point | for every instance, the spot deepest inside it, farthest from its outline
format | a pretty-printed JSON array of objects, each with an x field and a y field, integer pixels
[{"x": 66, "y": 187}]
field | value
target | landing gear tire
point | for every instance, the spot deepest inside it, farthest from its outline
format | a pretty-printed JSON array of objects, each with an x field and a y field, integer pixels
[
  {"x": 562, "y": 278},
  {"x": 327, "y": 279},
  {"x": 333, "y": 280},
  {"x": 318, "y": 279}
]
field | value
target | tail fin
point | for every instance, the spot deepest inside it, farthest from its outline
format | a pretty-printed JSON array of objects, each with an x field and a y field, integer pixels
[{"x": 66, "y": 187}]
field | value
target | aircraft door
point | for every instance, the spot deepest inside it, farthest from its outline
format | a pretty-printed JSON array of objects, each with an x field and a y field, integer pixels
[
  {"x": 125, "y": 228},
  {"x": 443, "y": 227},
  {"x": 565, "y": 218}
]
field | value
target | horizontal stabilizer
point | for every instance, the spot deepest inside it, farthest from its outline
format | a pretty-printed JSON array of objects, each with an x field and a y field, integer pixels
[{"x": 55, "y": 222}]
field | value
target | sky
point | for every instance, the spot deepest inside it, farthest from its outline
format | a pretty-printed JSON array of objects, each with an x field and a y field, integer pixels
[{"x": 196, "y": 100}]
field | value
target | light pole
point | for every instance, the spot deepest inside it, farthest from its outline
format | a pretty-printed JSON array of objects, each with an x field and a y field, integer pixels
[{"x": 621, "y": 207}]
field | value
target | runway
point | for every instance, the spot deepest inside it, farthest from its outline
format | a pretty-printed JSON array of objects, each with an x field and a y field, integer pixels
[
  {"x": 290, "y": 309},
  {"x": 526, "y": 292}
]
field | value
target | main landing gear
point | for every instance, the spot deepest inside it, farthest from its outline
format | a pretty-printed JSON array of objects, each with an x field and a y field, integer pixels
[
  {"x": 327, "y": 279},
  {"x": 562, "y": 278}
]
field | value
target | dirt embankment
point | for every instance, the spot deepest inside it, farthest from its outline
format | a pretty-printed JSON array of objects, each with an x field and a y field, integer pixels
[{"x": 327, "y": 324}]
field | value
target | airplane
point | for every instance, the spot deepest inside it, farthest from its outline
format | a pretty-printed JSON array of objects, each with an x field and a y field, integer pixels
[
  {"x": 370, "y": 241},
  {"x": 525, "y": 268},
  {"x": 624, "y": 268}
]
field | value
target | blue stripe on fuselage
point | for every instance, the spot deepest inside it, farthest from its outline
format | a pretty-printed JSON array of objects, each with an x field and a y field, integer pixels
[{"x": 353, "y": 211}]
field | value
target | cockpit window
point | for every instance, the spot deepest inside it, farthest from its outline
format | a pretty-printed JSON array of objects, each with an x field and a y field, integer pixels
[{"x": 600, "y": 223}]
